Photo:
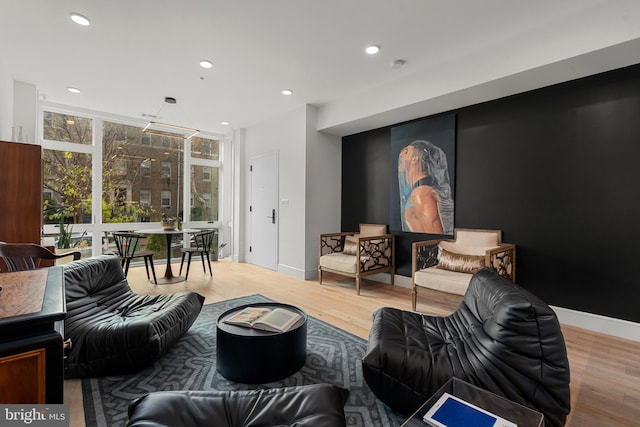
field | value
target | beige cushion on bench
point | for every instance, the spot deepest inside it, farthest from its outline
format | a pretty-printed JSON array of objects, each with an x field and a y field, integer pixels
[
  {"x": 357, "y": 255},
  {"x": 339, "y": 261},
  {"x": 458, "y": 259},
  {"x": 443, "y": 280}
]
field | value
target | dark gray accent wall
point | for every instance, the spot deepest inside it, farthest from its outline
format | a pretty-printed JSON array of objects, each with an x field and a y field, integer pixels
[{"x": 557, "y": 169}]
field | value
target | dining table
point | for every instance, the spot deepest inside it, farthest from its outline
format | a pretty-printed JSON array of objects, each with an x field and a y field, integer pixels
[{"x": 168, "y": 277}]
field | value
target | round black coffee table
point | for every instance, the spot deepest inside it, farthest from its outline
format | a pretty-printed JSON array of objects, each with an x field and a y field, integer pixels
[{"x": 253, "y": 356}]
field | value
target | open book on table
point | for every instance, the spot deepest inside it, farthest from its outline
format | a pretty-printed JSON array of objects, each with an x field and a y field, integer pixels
[{"x": 264, "y": 318}]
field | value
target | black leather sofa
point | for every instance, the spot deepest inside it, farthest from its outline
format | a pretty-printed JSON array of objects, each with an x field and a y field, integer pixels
[
  {"x": 317, "y": 405},
  {"x": 502, "y": 338},
  {"x": 114, "y": 330}
]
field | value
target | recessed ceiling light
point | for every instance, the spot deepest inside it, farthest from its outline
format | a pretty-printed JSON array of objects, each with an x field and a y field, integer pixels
[
  {"x": 205, "y": 63},
  {"x": 224, "y": 123},
  {"x": 73, "y": 89},
  {"x": 373, "y": 49},
  {"x": 287, "y": 92},
  {"x": 80, "y": 19}
]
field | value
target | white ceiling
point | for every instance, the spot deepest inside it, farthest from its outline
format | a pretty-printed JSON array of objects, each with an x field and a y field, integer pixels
[{"x": 457, "y": 52}]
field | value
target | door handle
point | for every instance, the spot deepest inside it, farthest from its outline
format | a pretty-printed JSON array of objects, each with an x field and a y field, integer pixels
[{"x": 273, "y": 216}]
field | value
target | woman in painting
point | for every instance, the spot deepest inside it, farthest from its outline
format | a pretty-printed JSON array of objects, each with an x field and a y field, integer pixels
[{"x": 426, "y": 203}]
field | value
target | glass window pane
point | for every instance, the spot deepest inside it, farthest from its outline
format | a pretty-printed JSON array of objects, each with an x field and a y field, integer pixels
[
  {"x": 203, "y": 148},
  {"x": 67, "y": 197},
  {"x": 165, "y": 199},
  {"x": 204, "y": 193},
  {"x": 145, "y": 168},
  {"x": 139, "y": 169},
  {"x": 166, "y": 170},
  {"x": 67, "y": 128},
  {"x": 145, "y": 198}
]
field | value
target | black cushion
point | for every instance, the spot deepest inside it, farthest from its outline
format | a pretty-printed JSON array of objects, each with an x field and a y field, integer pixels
[
  {"x": 114, "y": 330},
  {"x": 317, "y": 405},
  {"x": 501, "y": 338}
]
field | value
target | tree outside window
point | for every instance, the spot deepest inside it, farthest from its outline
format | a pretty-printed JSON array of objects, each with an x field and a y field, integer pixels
[{"x": 67, "y": 182}]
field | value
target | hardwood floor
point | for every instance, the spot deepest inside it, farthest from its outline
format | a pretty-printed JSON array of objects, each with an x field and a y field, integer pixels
[{"x": 605, "y": 370}]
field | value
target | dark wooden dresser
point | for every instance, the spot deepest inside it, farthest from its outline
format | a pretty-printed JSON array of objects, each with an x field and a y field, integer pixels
[{"x": 32, "y": 310}]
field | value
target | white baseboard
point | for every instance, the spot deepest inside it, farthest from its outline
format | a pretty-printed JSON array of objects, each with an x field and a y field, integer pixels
[
  {"x": 597, "y": 323},
  {"x": 581, "y": 319},
  {"x": 592, "y": 322},
  {"x": 291, "y": 271}
]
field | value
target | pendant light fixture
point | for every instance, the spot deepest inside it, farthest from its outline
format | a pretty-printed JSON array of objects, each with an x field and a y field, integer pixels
[{"x": 167, "y": 127}]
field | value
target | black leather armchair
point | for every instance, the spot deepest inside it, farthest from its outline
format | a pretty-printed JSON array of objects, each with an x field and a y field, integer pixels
[
  {"x": 114, "y": 330},
  {"x": 501, "y": 338}
]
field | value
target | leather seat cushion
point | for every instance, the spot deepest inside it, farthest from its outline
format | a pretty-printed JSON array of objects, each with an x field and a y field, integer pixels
[{"x": 301, "y": 406}]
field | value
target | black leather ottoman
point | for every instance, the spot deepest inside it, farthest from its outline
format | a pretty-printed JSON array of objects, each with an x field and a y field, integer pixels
[
  {"x": 317, "y": 405},
  {"x": 252, "y": 356}
]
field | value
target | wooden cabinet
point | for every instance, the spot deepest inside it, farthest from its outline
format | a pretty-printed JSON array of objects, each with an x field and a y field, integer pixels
[
  {"x": 21, "y": 201},
  {"x": 32, "y": 310},
  {"x": 28, "y": 370}
]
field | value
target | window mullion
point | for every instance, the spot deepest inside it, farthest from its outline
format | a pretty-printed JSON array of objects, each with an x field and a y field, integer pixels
[{"x": 96, "y": 185}]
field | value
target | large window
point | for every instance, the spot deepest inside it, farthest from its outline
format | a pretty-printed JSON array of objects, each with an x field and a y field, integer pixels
[
  {"x": 204, "y": 194},
  {"x": 153, "y": 166},
  {"x": 122, "y": 173},
  {"x": 141, "y": 176},
  {"x": 67, "y": 184},
  {"x": 202, "y": 148},
  {"x": 204, "y": 180},
  {"x": 67, "y": 201},
  {"x": 67, "y": 128}
]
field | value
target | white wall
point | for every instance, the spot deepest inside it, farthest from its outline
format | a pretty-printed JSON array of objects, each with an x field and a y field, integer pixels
[
  {"x": 323, "y": 189},
  {"x": 25, "y": 111},
  {"x": 6, "y": 104},
  {"x": 309, "y": 179},
  {"x": 235, "y": 186},
  {"x": 285, "y": 135}
]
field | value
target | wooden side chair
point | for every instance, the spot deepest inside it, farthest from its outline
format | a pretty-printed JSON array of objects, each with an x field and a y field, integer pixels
[
  {"x": 28, "y": 256},
  {"x": 203, "y": 241},
  {"x": 357, "y": 255},
  {"x": 448, "y": 265},
  {"x": 127, "y": 246}
]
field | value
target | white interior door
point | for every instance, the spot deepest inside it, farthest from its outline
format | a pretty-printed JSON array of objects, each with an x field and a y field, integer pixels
[{"x": 263, "y": 250}]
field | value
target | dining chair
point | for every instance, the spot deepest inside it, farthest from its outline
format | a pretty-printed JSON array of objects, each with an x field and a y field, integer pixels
[
  {"x": 127, "y": 245},
  {"x": 203, "y": 241},
  {"x": 28, "y": 256}
]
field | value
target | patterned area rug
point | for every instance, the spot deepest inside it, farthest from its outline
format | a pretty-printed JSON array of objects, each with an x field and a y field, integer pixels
[{"x": 333, "y": 356}]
